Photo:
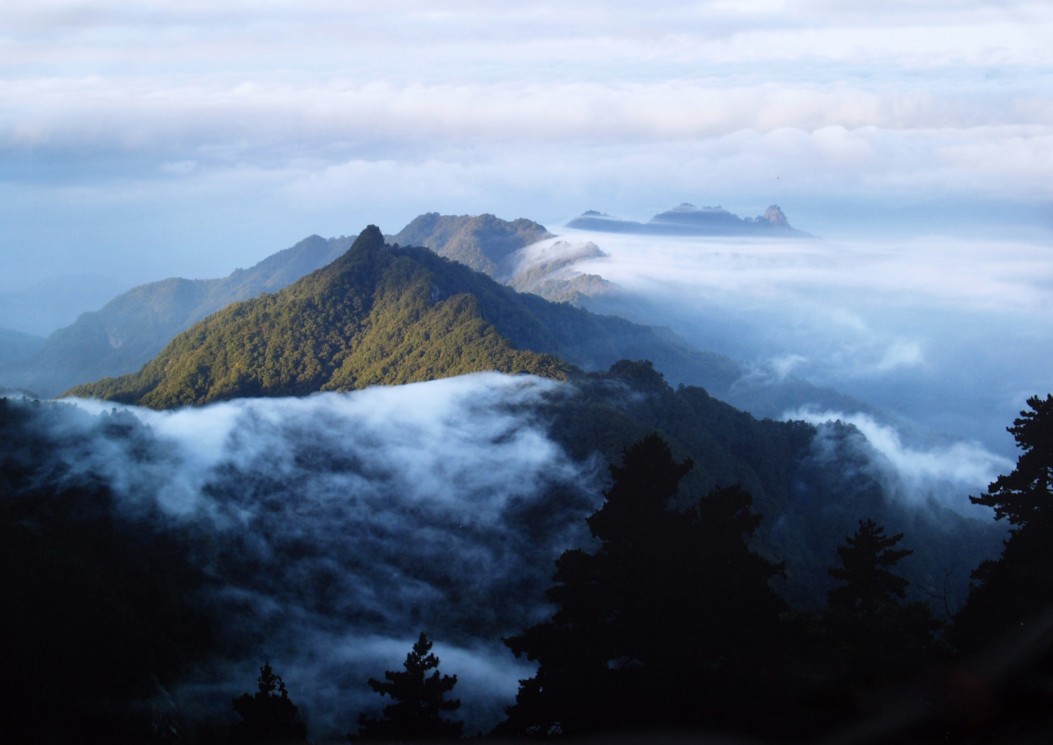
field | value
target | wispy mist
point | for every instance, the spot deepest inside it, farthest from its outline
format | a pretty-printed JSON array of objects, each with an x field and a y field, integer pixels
[
  {"x": 337, "y": 527},
  {"x": 946, "y": 335},
  {"x": 947, "y": 474}
]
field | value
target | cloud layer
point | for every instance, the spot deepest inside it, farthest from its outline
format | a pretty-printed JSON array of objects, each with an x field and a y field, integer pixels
[
  {"x": 208, "y": 131},
  {"x": 945, "y": 335},
  {"x": 337, "y": 527}
]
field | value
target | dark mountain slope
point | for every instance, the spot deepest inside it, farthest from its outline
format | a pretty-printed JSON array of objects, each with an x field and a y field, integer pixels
[
  {"x": 387, "y": 315},
  {"x": 133, "y": 327},
  {"x": 811, "y": 484}
]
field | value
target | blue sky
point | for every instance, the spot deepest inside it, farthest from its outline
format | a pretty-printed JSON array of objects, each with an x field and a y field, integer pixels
[{"x": 151, "y": 139}]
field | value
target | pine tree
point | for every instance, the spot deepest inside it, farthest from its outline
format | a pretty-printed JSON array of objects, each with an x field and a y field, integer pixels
[
  {"x": 1025, "y": 496},
  {"x": 655, "y": 627},
  {"x": 1009, "y": 613},
  {"x": 1014, "y": 590},
  {"x": 866, "y": 559},
  {"x": 419, "y": 701},
  {"x": 876, "y": 635},
  {"x": 268, "y": 716}
]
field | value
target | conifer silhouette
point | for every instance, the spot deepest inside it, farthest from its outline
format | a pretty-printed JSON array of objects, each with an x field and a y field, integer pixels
[
  {"x": 660, "y": 626},
  {"x": 268, "y": 716},
  {"x": 876, "y": 634},
  {"x": 419, "y": 701}
]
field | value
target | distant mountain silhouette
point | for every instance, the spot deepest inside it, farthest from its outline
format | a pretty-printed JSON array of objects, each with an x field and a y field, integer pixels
[
  {"x": 483, "y": 242},
  {"x": 496, "y": 247},
  {"x": 16, "y": 346},
  {"x": 687, "y": 219},
  {"x": 387, "y": 315},
  {"x": 132, "y": 328}
]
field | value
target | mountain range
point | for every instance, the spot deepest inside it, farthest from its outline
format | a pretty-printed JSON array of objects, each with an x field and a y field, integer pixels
[
  {"x": 437, "y": 300},
  {"x": 687, "y": 219},
  {"x": 132, "y": 328},
  {"x": 384, "y": 314}
]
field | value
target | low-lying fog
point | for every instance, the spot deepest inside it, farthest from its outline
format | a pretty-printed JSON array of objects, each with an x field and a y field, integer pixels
[
  {"x": 946, "y": 336},
  {"x": 339, "y": 526}
]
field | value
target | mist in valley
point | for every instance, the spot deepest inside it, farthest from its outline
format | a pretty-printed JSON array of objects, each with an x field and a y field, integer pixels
[
  {"x": 335, "y": 528},
  {"x": 942, "y": 338}
]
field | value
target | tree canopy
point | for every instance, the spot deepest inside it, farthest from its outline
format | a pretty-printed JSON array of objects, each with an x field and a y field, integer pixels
[
  {"x": 1017, "y": 587},
  {"x": 269, "y": 715},
  {"x": 419, "y": 701},
  {"x": 865, "y": 563},
  {"x": 1025, "y": 495},
  {"x": 653, "y": 627}
]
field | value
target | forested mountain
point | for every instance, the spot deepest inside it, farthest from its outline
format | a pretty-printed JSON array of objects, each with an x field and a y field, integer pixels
[
  {"x": 483, "y": 242},
  {"x": 811, "y": 485},
  {"x": 132, "y": 328},
  {"x": 382, "y": 314},
  {"x": 732, "y": 574}
]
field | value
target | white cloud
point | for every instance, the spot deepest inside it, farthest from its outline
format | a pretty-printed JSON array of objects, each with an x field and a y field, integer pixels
[
  {"x": 923, "y": 471},
  {"x": 332, "y": 115}
]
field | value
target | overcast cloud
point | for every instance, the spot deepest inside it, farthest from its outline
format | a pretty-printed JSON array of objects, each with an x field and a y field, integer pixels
[{"x": 162, "y": 138}]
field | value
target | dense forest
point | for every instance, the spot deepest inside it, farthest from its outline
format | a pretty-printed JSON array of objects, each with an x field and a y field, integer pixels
[{"x": 672, "y": 612}]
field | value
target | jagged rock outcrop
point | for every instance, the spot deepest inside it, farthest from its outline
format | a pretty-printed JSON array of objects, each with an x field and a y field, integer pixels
[{"x": 687, "y": 219}]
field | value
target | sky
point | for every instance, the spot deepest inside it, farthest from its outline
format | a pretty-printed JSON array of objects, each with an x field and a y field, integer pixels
[{"x": 155, "y": 139}]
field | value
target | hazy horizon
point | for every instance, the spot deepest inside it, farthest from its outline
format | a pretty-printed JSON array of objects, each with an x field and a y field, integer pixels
[{"x": 183, "y": 139}]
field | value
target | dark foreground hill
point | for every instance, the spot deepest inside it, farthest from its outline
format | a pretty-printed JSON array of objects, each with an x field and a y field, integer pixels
[
  {"x": 311, "y": 529},
  {"x": 386, "y": 315},
  {"x": 131, "y": 329}
]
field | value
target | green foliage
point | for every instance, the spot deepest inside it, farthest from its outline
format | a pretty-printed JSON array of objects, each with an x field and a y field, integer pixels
[
  {"x": 374, "y": 316},
  {"x": 419, "y": 701},
  {"x": 482, "y": 242},
  {"x": 134, "y": 327},
  {"x": 386, "y": 315}
]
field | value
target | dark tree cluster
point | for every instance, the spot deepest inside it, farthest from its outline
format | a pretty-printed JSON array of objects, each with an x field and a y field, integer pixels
[
  {"x": 419, "y": 708},
  {"x": 670, "y": 623},
  {"x": 656, "y": 627},
  {"x": 666, "y": 623}
]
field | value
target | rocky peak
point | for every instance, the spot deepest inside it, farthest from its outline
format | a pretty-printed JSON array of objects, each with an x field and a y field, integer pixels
[{"x": 774, "y": 216}]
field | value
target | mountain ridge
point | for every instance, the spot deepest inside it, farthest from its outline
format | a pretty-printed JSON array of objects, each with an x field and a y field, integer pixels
[
  {"x": 688, "y": 220},
  {"x": 383, "y": 314},
  {"x": 483, "y": 242},
  {"x": 133, "y": 327}
]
